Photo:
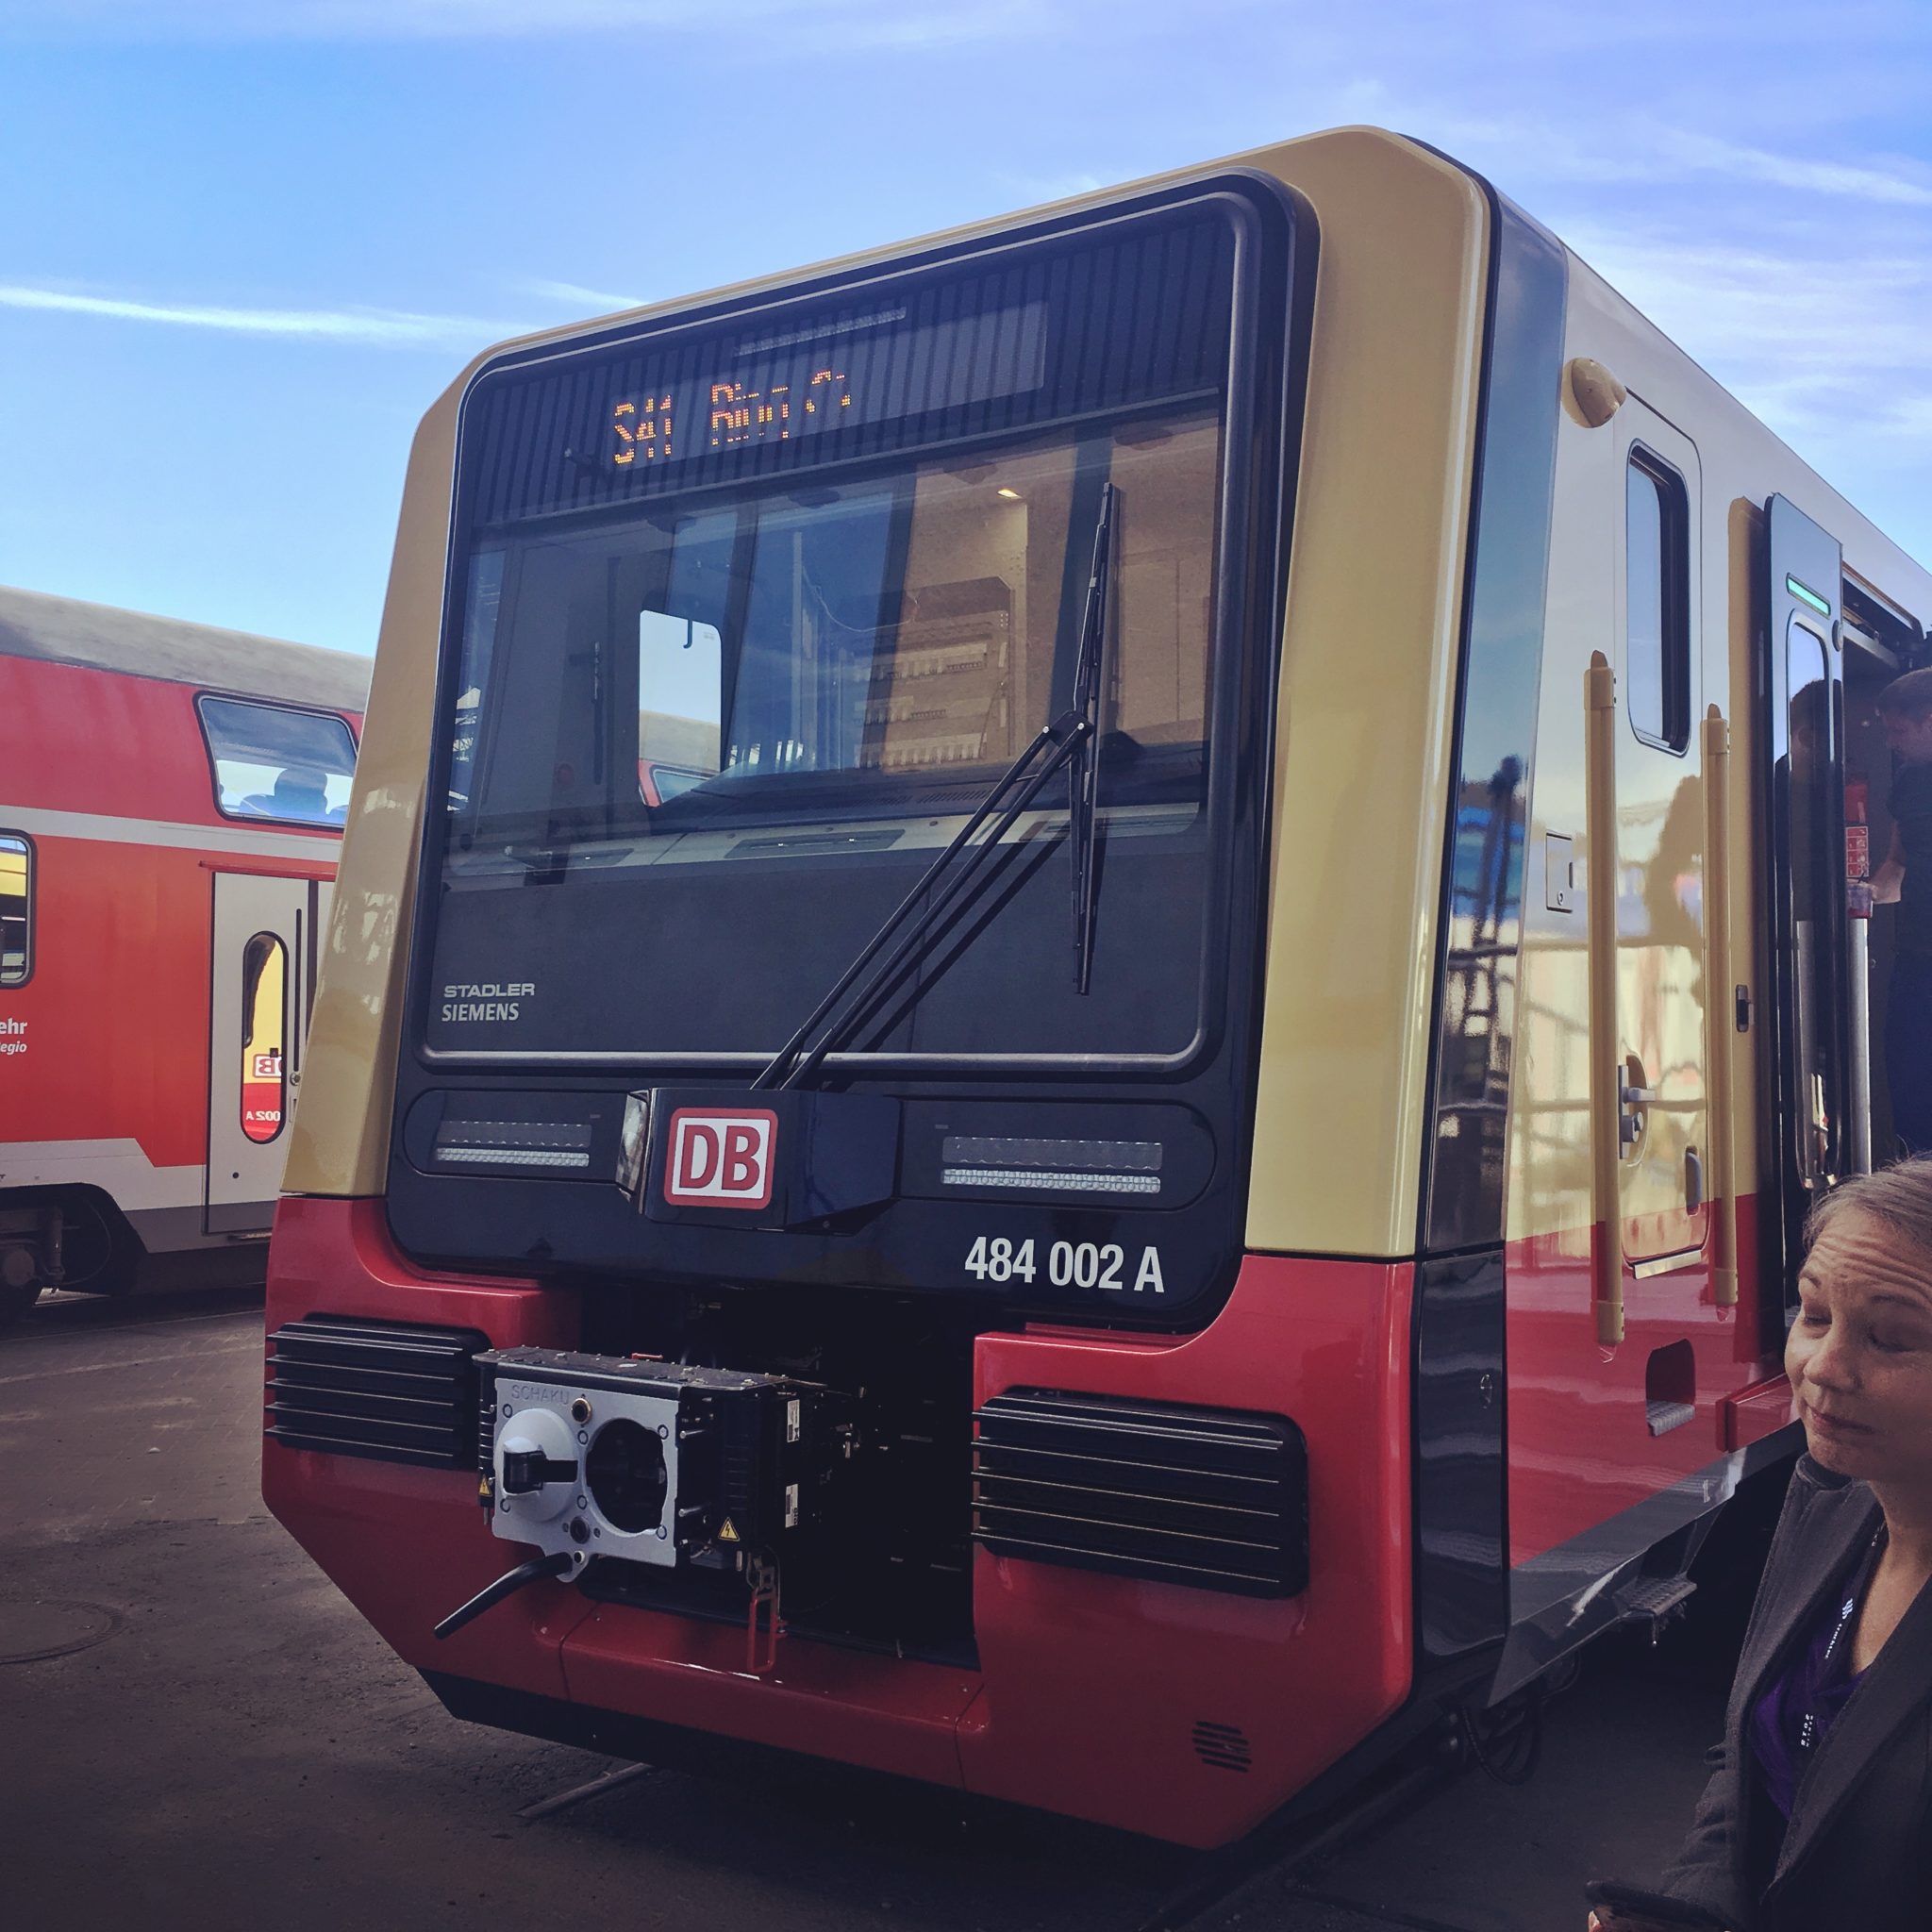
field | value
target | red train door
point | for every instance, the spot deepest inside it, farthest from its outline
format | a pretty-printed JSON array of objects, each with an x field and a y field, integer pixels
[{"x": 262, "y": 989}]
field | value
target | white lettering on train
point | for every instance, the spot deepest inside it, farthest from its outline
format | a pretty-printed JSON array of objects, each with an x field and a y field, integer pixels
[{"x": 463, "y": 1001}]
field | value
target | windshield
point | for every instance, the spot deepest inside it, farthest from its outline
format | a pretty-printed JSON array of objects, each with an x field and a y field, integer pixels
[{"x": 705, "y": 739}]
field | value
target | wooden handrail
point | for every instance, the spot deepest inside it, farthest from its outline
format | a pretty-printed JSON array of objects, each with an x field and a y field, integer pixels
[
  {"x": 1717, "y": 989},
  {"x": 1606, "y": 1110}
]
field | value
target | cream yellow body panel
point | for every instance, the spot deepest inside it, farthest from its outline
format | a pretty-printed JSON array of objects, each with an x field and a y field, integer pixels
[
  {"x": 1361, "y": 782},
  {"x": 339, "y": 1140}
]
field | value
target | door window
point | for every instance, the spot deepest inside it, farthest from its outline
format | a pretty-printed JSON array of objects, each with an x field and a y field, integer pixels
[
  {"x": 1657, "y": 657},
  {"x": 265, "y": 1011}
]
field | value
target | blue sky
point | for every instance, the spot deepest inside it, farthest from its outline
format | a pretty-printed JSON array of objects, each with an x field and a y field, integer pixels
[{"x": 244, "y": 243}]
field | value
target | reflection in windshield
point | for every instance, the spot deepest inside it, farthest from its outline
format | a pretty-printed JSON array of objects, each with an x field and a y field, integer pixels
[{"x": 863, "y": 649}]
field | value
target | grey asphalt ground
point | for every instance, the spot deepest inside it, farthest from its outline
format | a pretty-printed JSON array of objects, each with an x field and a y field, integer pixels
[{"x": 240, "y": 1750}]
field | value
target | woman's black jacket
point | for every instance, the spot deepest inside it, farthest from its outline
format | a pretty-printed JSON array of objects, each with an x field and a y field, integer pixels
[{"x": 1858, "y": 1854}]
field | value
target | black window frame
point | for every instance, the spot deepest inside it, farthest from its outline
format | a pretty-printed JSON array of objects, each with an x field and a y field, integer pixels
[
  {"x": 261, "y": 704},
  {"x": 1261, "y": 447},
  {"x": 1674, "y": 576},
  {"x": 33, "y": 873}
]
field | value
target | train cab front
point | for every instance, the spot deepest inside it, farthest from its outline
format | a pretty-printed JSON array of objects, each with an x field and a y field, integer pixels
[{"x": 810, "y": 1304}]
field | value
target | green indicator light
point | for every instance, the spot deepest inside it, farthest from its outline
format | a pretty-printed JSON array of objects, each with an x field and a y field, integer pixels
[{"x": 1804, "y": 594}]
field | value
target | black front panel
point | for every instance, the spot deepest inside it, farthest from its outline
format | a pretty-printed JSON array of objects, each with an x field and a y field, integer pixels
[
  {"x": 671, "y": 980},
  {"x": 1126, "y": 1210},
  {"x": 620, "y": 922}
]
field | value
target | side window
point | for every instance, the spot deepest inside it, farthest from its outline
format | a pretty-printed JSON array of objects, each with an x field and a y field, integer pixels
[
  {"x": 271, "y": 762},
  {"x": 16, "y": 909},
  {"x": 264, "y": 1010},
  {"x": 1657, "y": 587}
]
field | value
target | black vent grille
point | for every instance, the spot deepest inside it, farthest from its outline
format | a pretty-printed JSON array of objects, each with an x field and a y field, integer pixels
[
  {"x": 1200, "y": 1496},
  {"x": 374, "y": 1389},
  {"x": 1226, "y": 1747}
]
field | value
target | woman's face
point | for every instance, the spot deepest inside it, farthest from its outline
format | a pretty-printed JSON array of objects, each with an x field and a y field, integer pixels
[{"x": 1859, "y": 1354}]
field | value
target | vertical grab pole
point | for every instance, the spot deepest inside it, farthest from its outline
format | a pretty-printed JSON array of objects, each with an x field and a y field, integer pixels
[
  {"x": 1606, "y": 1110},
  {"x": 1717, "y": 982},
  {"x": 1858, "y": 974},
  {"x": 1858, "y": 1017}
]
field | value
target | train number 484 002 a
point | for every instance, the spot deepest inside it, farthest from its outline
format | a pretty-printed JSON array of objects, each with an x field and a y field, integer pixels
[{"x": 1069, "y": 1264}]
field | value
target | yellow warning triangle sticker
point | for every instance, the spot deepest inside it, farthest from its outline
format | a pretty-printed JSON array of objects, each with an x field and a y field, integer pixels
[{"x": 727, "y": 1531}]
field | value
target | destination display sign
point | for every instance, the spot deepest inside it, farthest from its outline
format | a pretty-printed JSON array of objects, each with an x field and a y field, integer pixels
[
  {"x": 820, "y": 378},
  {"x": 1003, "y": 343}
]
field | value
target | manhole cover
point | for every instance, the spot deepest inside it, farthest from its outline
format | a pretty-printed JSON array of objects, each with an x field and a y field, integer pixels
[{"x": 45, "y": 1627}]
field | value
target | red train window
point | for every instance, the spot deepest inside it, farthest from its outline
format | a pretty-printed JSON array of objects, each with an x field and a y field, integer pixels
[
  {"x": 16, "y": 909},
  {"x": 273, "y": 761}
]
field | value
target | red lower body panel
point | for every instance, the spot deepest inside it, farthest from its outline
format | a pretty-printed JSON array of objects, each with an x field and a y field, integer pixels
[
  {"x": 1582, "y": 1450},
  {"x": 1090, "y": 1686}
]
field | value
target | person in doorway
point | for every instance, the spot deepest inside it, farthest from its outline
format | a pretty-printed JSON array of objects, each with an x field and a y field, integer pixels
[
  {"x": 1818, "y": 1816},
  {"x": 1904, "y": 708}
]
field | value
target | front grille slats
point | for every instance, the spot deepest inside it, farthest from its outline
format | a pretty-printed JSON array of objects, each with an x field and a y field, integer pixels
[
  {"x": 1223, "y": 1746},
  {"x": 383, "y": 1389},
  {"x": 1207, "y": 1498},
  {"x": 1193, "y": 1515}
]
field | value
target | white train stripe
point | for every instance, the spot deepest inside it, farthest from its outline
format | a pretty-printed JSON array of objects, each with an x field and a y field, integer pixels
[
  {"x": 243, "y": 843},
  {"x": 120, "y": 1167}
]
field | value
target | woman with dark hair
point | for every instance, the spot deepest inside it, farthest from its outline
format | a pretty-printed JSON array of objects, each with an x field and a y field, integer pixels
[{"x": 1818, "y": 1815}]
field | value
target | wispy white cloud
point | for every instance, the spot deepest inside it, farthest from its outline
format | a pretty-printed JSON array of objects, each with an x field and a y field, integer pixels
[
  {"x": 1699, "y": 153},
  {"x": 1789, "y": 251},
  {"x": 579, "y": 299},
  {"x": 376, "y": 327},
  {"x": 1843, "y": 356},
  {"x": 1646, "y": 150}
]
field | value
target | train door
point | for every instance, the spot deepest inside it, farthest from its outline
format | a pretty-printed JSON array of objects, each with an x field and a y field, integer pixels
[
  {"x": 261, "y": 993},
  {"x": 1661, "y": 997},
  {"x": 1804, "y": 737}
]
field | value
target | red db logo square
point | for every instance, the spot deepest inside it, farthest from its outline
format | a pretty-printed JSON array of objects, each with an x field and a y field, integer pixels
[{"x": 719, "y": 1160}]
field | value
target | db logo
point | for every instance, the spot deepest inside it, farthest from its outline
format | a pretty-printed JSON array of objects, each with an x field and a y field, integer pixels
[{"x": 719, "y": 1160}]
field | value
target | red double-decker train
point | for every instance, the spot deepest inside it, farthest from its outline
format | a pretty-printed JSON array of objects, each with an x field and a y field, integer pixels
[
  {"x": 1174, "y": 1158},
  {"x": 172, "y": 799}
]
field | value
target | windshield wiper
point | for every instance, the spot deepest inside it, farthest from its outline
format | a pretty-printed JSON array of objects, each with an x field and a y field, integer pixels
[
  {"x": 844, "y": 1007},
  {"x": 1090, "y": 683}
]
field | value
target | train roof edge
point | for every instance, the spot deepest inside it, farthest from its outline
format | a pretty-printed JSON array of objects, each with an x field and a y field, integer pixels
[{"x": 68, "y": 631}]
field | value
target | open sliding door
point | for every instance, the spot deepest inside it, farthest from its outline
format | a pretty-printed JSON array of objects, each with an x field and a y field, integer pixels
[{"x": 1809, "y": 1075}]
